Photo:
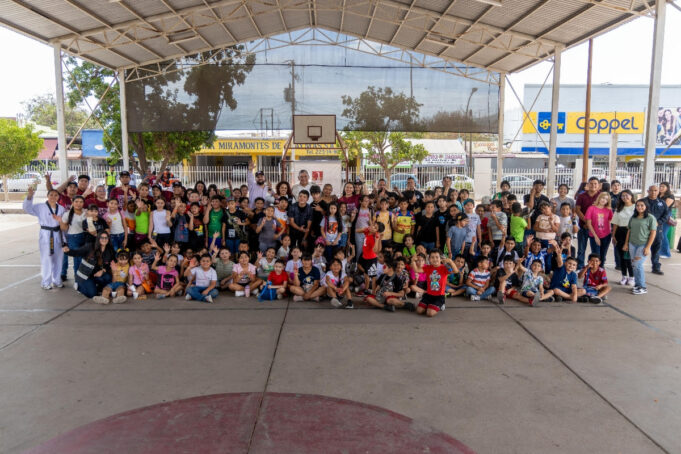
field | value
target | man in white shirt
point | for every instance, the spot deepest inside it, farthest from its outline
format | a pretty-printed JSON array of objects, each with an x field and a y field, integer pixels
[{"x": 303, "y": 183}]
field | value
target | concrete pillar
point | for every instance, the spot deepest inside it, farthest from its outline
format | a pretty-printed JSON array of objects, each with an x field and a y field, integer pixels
[
  {"x": 124, "y": 120},
  {"x": 61, "y": 123},
  {"x": 553, "y": 137},
  {"x": 500, "y": 149},
  {"x": 654, "y": 95},
  {"x": 482, "y": 177},
  {"x": 612, "y": 159}
]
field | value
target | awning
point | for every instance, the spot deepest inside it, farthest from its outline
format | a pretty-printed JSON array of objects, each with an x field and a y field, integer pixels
[{"x": 49, "y": 145}]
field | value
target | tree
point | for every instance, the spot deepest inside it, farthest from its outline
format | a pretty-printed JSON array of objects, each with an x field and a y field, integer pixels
[
  {"x": 375, "y": 113},
  {"x": 42, "y": 110},
  {"x": 18, "y": 147},
  {"x": 150, "y": 101}
]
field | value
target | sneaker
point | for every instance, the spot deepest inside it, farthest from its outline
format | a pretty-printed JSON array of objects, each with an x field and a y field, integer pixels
[
  {"x": 631, "y": 281},
  {"x": 389, "y": 308},
  {"x": 409, "y": 306},
  {"x": 239, "y": 293},
  {"x": 559, "y": 299},
  {"x": 297, "y": 298},
  {"x": 550, "y": 299},
  {"x": 501, "y": 298},
  {"x": 419, "y": 295},
  {"x": 63, "y": 277},
  {"x": 442, "y": 309},
  {"x": 536, "y": 298},
  {"x": 349, "y": 305},
  {"x": 46, "y": 287},
  {"x": 160, "y": 296},
  {"x": 280, "y": 296},
  {"x": 618, "y": 268},
  {"x": 335, "y": 302},
  {"x": 135, "y": 295},
  {"x": 75, "y": 286},
  {"x": 60, "y": 285},
  {"x": 658, "y": 272},
  {"x": 665, "y": 256},
  {"x": 624, "y": 280},
  {"x": 595, "y": 299},
  {"x": 100, "y": 300},
  {"x": 119, "y": 299},
  {"x": 360, "y": 293},
  {"x": 209, "y": 299},
  {"x": 247, "y": 291},
  {"x": 583, "y": 299},
  {"x": 188, "y": 297},
  {"x": 475, "y": 298},
  {"x": 316, "y": 299},
  {"x": 639, "y": 291}
]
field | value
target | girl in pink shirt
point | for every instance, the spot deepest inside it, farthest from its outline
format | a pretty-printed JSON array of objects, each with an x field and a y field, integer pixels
[
  {"x": 138, "y": 278},
  {"x": 598, "y": 217}
]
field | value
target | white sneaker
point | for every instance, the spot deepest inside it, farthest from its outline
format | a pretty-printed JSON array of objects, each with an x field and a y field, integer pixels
[
  {"x": 188, "y": 297},
  {"x": 209, "y": 299},
  {"x": 119, "y": 299},
  {"x": 100, "y": 300},
  {"x": 631, "y": 282},
  {"x": 297, "y": 298},
  {"x": 624, "y": 280},
  {"x": 239, "y": 293},
  {"x": 475, "y": 298},
  {"x": 280, "y": 296},
  {"x": 75, "y": 286},
  {"x": 335, "y": 302}
]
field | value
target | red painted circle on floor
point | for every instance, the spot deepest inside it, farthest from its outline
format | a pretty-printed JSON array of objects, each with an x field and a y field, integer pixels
[{"x": 285, "y": 423}]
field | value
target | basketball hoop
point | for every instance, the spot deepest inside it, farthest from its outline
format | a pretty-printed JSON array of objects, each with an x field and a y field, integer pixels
[
  {"x": 314, "y": 133},
  {"x": 314, "y": 130}
]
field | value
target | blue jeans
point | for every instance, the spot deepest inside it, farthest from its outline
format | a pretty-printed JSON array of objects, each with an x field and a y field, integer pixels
[
  {"x": 637, "y": 261},
  {"x": 601, "y": 250},
  {"x": 232, "y": 244},
  {"x": 655, "y": 251},
  {"x": 117, "y": 241},
  {"x": 73, "y": 241},
  {"x": 428, "y": 246},
  {"x": 94, "y": 285},
  {"x": 487, "y": 293},
  {"x": 582, "y": 241},
  {"x": 195, "y": 293},
  {"x": 665, "y": 250}
]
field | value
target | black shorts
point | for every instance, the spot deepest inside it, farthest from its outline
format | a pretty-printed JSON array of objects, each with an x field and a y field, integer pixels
[
  {"x": 369, "y": 266},
  {"x": 434, "y": 302}
]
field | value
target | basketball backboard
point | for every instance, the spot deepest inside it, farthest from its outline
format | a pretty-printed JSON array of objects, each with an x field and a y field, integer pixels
[{"x": 314, "y": 129}]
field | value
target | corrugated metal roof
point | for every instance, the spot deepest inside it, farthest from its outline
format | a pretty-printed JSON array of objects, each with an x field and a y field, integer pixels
[{"x": 508, "y": 38}]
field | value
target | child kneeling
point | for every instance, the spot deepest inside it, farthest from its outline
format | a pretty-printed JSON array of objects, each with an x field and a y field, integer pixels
[
  {"x": 433, "y": 301},
  {"x": 387, "y": 292},
  {"x": 204, "y": 278}
]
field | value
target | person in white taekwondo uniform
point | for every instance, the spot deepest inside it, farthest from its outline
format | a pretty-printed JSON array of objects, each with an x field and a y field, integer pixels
[{"x": 50, "y": 240}]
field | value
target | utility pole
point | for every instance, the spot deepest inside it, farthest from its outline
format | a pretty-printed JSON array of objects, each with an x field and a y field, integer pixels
[
  {"x": 587, "y": 114},
  {"x": 293, "y": 90}
]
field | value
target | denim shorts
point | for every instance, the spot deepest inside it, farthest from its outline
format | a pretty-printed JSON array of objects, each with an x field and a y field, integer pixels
[{"x": 116, "y": 285}]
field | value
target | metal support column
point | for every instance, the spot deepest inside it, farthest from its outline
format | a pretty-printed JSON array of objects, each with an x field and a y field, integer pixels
[
  {"x": 612, "y": 159},
  {"x": 654, "y": 96},
  {"x": 61, "y": 123},
  {"x": 553, "y": 137},
  {"x": 124, "y": 120},
  {"x": 500, "y": 149}
]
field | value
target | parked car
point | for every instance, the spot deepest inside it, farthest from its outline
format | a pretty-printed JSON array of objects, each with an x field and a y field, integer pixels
[
  {"x": 622, "y": 175},
  {"x": 400, "y": 180},
  {"x": 21, "y": 182},
  {"x": 520, "y": 184},
  {"x": 458, "y": 182}
]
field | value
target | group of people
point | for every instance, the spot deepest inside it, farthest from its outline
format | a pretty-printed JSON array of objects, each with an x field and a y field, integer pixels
[{"x": 390, "y": 248}]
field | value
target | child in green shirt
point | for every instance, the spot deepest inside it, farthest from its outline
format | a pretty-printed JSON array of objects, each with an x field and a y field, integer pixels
[{"x": 518, "y": 225}]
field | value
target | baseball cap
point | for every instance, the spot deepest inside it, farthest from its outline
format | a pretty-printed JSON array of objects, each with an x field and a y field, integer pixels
[
  {"x": 124, "y": 173},
  {"x": 259, "y": 172},
  {"x": 177, "y": 184}
]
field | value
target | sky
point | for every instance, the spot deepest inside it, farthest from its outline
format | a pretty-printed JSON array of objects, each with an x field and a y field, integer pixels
[{"x": 620, "y": 57}]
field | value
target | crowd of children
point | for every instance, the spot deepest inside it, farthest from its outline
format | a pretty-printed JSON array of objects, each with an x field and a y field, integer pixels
[{"x": 389, "y": 249}]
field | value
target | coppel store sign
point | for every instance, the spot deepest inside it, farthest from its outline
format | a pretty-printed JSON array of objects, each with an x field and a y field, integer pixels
[{"x": 575, "y": 122}]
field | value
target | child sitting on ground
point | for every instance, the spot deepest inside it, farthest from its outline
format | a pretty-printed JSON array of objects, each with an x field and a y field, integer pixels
[
  {"x": 532, "y": 287},
  {"x": 337, "y": 284},
  {"x": 509, "y": 282},
  {"x": 168, "y": 283},
  {"x": 388, "y": 290},
  {"x": 306, "y": 284},
  {"x": 368, "y": 260},
  {"x": 119, "y": 279},
  {"x": 278, "y": 279},
  {"x": 318, "y": 259},
  {"x": 419, "y": 280},
  {"x": 479, "y": 280},
  {"x": 204, "y": 280},
  {"x": 223, "y": 266},
  {"x": 564, "y": 279},
  {"x": 266, "y": 263},
  {"x": 456, "y": 281},
  {"x": 294, "y": 264},
  {"x": 595, "y": 280},
  {"x": 244, "y": 277},
  {"x": 138, "y": 278}
]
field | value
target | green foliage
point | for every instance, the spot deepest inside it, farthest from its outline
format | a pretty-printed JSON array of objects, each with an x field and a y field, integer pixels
[
  {"x": 377, "y": 112},
  {"x": 211, "y": 87},
  {"x": 42, "y": 110},
  {"x": 18, "y": 146}
]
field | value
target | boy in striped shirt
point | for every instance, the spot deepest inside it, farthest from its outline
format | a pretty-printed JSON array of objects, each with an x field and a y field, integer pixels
[{"x": 478, "y": 284}]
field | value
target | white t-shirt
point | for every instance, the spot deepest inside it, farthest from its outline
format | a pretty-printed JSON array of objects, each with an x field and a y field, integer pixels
[
  {"x": 160, "y": 223},
  {"x": 333, "y": 278},
  {"x": 116, "y": 219},
  {"x": 203, "y": 278},
  {"x": 76, "y": 226},
  {"x": 299, "y": 187}
]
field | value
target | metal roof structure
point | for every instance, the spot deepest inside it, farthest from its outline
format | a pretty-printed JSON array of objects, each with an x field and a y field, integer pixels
[{"x": 502, "y": 36}]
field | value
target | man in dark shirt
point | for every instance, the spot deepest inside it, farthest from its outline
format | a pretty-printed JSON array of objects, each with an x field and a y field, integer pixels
[
  {"x": 583, "y": 202},
  {"x": 300, "y": 219},
  {"x": 660, "y": 211}
]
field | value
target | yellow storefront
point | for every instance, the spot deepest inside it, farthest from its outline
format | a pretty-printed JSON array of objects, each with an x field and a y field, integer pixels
[{"x": 265, "y": 152}]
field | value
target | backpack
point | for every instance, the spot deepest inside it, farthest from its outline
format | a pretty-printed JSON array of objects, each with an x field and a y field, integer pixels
[{"x": 267, "y": 293}]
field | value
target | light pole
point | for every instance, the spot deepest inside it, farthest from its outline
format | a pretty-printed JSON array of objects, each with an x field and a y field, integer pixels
[{"x": 470, "y": 141}]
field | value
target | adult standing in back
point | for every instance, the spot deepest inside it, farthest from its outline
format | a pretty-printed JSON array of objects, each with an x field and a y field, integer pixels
[
  {"x": 583, "y": 202},
  {"x": 123, "y": 193},
  {"x": 660, "y": 212},
  {"x": 303, "y": 183},
  {"x": 667, "y": 197}
]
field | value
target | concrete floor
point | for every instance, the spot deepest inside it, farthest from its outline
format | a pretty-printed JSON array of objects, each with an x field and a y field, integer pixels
[{"x": 557, "y": 378}]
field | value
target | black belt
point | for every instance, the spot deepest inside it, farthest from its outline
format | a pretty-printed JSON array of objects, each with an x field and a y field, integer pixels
[{"x": 54, "y": 230}]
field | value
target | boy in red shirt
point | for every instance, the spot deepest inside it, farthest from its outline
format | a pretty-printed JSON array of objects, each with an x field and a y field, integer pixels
[
  {"x": 595, "y": 280},
  {"x": 368, "y": 260},
  {"x": 433, "y": 301},
  {"x": 278, "y": 279}
]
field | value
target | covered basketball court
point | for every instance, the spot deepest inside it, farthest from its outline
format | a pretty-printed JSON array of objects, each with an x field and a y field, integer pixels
[{"x": 159, "y": 376}]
